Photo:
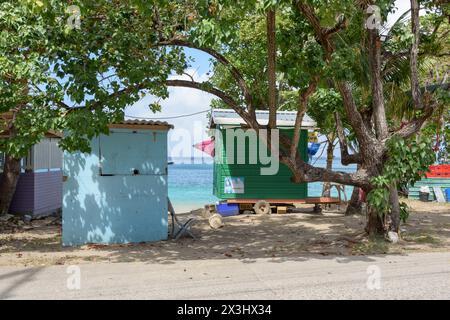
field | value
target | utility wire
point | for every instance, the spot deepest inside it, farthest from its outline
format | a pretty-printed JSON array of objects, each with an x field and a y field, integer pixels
[{"x": 166, "y": 118}]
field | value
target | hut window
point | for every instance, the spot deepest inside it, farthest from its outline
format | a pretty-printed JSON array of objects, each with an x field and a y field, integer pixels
[
  {"x": 46, "y": 155},
  {"x": 40, "y": 155}
]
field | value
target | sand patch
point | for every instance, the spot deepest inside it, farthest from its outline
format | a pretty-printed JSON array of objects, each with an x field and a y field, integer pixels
[{"x": 245, "y": 237}]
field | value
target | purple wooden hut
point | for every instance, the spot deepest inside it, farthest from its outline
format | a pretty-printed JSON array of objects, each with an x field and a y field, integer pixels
[{"x": 39, "y": 190}]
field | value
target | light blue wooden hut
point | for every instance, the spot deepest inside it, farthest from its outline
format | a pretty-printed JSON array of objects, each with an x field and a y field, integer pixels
[{"x": 118, "y": 192}]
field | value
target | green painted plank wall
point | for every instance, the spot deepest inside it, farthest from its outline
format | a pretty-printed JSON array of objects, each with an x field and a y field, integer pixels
[
  {"x": 413, "y": 191},
  {"x": 259, "y": 186}
]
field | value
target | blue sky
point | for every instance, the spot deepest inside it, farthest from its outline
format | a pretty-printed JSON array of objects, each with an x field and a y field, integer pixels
[{"x": 182, "y": 101}]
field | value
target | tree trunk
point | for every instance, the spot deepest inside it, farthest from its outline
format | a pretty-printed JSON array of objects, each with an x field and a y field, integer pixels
[
  {"x": 395, "y": 209},
  {"x": 374, "y": 225},
  {"x": 271, "y": 68},
  {"x": 326, "y": 192},
  {"x": 355, "y": 205},
  {"x": 8, "y": 183},
  {"x": 379, "y": 111},
  {"x": 415, "y": 29}
]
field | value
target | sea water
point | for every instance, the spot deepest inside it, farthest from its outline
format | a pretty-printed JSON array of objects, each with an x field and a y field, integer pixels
[{"x": 191, "y": 184}]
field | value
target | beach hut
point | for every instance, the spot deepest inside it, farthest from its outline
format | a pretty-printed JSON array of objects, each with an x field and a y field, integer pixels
[
  {"x": 241, "y": 182},
  {"x": 39, "y": 189},
  {"x": 118, "y": 192},
  {"x": 437, "y": 181}
]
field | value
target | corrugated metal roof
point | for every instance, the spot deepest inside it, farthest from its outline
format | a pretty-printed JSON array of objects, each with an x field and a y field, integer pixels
[
  {"x": 284, "y": 118},
  {"x": 145, "y": 123}
]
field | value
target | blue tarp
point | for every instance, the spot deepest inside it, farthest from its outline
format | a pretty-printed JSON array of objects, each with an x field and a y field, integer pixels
[{"x": 313, "y": 148}]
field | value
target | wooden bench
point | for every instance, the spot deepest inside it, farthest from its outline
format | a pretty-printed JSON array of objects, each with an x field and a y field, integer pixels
[{"x": 317, "y": 201}]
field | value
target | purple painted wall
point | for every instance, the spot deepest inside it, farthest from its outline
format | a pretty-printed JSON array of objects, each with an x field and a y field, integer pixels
[
  {"x": 23, "y": 201},
  {"x": 38, "y": 193},
  {"x": 47, "y": 192}
]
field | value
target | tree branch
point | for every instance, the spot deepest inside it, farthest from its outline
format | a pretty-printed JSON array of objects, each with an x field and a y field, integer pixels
[
  {"x": 251, "y": 121},
  {"x": 304, "y": 172},
  {"x": 415, "y": 125},
  {"x": 340, "y": 25},
  {"x": 223, "y": 60},
  {"x": 322, "y": 34},
  {"x": 365, "y": 136},
  {"x": 206, "y": 88},
  {"x": 379, "y": 111},
  {"x": 415, "y": 28},
  {"x": 301, "y": 110},
  {"x": 346, "y": 158}
]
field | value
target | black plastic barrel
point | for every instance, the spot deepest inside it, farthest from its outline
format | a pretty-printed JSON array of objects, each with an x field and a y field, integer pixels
[{"x": 424, "y": 196}]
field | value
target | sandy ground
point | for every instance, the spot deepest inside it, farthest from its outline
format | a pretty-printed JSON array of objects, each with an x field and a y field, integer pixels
[{"x": 244, "y": 237}]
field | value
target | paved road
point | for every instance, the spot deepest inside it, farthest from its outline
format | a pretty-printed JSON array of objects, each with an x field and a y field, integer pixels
[{"x": 416, "y": 276}]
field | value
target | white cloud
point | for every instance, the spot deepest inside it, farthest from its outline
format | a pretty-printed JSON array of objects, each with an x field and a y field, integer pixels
[{"x": 181, "y": 101}]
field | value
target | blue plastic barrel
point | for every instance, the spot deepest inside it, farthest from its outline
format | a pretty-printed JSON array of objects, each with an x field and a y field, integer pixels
[{"x": 447, "y": 194}]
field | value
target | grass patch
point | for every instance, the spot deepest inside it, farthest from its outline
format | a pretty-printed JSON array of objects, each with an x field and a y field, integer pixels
[
  {"x": 13, "y": 244},
  {"x": 421, "y": 238},
  {"x": 374, "y": 245}
]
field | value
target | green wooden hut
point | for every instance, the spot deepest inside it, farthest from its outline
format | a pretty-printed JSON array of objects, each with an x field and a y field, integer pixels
[{"x": 242, "y": 178}]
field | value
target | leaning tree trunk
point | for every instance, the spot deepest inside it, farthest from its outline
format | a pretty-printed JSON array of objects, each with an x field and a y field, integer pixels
[
  {"x": 326, "y": 191},
  {"x": 354, "y": 206},
  {"x": 8, "y": 183}
]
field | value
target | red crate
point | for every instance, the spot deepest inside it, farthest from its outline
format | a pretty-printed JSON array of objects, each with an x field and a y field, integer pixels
[{"x": 439, "y": 171}]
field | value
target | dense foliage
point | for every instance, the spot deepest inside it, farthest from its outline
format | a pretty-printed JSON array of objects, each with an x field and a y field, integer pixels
[{"x": 408, "y": 163}]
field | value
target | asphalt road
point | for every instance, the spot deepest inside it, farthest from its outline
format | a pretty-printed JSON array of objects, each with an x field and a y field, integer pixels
[{"x": 415, "y": 276}]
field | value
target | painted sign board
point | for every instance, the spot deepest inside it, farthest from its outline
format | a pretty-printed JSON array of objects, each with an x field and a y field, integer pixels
[{"x": 234, "y": 185}]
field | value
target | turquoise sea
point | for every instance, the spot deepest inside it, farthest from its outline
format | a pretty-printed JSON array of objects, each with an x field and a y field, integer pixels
[{"x": 191, "y": 184}]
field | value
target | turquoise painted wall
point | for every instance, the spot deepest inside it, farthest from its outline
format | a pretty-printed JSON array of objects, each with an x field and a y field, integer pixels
[
  {"x": 103, "y": 202},
  {"x": 413, "y": 191}
]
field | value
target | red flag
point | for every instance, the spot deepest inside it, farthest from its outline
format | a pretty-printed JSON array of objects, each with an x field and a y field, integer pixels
[{"x": 206, "y": 146}]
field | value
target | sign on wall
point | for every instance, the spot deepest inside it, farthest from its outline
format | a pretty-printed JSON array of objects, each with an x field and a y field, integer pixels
[{"x": 234, "y": 185}]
